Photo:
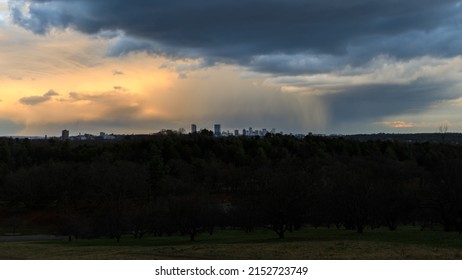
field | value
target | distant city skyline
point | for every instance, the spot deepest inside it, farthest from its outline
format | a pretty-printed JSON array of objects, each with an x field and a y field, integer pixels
[
  {"x": 216, "y": 130},
  {"x": 326, "y": 67}
]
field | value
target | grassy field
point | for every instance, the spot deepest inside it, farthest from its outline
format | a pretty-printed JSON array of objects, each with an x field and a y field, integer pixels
[{"x": 405, "y": 243}]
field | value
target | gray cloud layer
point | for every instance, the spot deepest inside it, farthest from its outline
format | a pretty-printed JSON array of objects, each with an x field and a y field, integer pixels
[
  {"x": 35, "y": 100},
  {"x": 9, "y": 127},
  {"x": 328, "y": 33},
  {"x": 370, "y": 102},
  {"x": 280, "y": 37}
]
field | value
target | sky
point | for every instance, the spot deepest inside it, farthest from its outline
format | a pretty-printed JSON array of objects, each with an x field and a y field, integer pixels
[{"x": 299, "y": 66}]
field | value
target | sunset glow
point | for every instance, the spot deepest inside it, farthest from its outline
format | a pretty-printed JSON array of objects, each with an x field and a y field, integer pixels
[{"x": 62, "y": 69}]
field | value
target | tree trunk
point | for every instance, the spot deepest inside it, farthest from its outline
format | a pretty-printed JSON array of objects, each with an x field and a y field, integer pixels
[
  {"x": 360, "y": 228},
  {"x": 192, "y": 235}
]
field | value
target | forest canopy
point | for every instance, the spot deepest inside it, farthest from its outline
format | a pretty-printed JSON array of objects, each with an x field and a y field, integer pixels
[{"x": 171, "y": 183}]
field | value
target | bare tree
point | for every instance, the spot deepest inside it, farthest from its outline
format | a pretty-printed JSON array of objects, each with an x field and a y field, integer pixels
[{"x": 443, "y": 130}]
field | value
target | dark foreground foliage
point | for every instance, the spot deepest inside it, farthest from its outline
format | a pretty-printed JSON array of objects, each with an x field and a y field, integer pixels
[{"x": 192, "y": 184}]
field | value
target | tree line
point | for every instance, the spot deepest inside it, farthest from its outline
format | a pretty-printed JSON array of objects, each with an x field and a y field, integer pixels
[{"x": 190, "y": 184}]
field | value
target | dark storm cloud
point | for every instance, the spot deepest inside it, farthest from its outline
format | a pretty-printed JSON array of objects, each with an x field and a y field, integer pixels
[
  {"x": 281, "y": 37},
  {"x": 34, "y": 100},
  {"x": 372, "y": 102},
  {"x": 250, "y": 32}
]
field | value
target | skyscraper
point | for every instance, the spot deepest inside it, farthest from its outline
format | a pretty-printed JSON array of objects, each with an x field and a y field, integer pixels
[
  {"x": 193, "y": 128},
  {"x": 218, "y": 130},
  {"x": 65, "y": 134}
]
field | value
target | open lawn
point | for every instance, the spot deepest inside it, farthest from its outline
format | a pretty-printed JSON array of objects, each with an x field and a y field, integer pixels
[{"x": 322, "y": 243}]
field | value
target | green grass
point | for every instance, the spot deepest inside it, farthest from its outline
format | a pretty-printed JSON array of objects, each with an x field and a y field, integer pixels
[{"x": 309, "y": 243}]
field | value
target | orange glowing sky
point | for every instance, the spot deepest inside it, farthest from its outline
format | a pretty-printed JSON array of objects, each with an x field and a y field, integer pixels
[
  {"x": 66, "y": 79},
  {"x": 136, "y": 93}
]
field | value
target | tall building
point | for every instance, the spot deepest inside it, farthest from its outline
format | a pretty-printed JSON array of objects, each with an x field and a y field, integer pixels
[
  {"x": 236, "y": 132},
  {"x": 65, "y": 134},
  {"x": 193, "y": 128},
  {"x": 217, "y": 130}
]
